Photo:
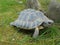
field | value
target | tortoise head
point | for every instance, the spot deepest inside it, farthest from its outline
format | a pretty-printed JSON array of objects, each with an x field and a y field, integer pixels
[{"x": 48, "y": 23}]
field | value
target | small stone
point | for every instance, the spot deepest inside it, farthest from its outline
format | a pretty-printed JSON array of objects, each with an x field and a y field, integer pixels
[
  {"x": 20, "y": 2},
  {"x": 13, "y": 39}
]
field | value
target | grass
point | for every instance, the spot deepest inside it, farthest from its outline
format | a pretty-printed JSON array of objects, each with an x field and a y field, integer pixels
[{"x": 12, "y": 36}]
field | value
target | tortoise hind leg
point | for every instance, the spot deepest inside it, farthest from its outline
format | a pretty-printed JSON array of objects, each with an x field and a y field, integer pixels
[{"x": 36, "y": 33}]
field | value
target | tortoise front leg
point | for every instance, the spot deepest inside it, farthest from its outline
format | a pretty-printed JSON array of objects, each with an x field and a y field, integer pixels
[{"x": 36, "y": 32}]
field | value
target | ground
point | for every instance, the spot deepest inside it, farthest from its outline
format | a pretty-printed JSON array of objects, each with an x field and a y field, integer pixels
[{"x": 9, "y": 35}]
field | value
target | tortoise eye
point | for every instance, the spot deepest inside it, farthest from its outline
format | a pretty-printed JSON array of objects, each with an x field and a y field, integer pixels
[{"x": 49, "y": 22}]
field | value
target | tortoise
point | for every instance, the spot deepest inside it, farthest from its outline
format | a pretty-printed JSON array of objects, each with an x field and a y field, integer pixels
[{"x": 32, "y": 19}]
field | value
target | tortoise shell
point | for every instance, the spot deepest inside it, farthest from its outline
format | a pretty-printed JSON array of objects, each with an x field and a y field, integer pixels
[{"x": 29, "y": 19}]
